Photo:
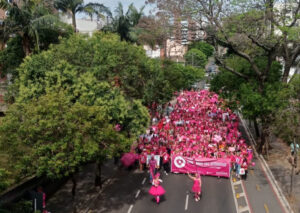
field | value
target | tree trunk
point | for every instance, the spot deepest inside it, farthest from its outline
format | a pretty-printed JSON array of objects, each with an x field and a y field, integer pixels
[
  {"x": 74, "y": 181},
  {"x": 74, "y": 21},
  {"x": 2, "y": 45},
  {"x": 98, "y": 181},
  {"x": 26, "y": 45},
  {"x": 263, "y": 136},
  {"x": 256, "y": 128},
  {"x": 286, "y": 72}
]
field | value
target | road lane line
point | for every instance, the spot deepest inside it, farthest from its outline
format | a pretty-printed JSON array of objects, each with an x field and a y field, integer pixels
[
  {"x": 246, "y": 195},
  {"x": 186, "y": 202},
  {"x": 137, "y": 194},
  {"x": 143, "y": 181},
  {"x": 266, "y": 208},
  {"x": 130, "y": 208}
]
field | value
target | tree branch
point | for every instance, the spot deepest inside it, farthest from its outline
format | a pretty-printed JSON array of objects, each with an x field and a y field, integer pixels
[
  {"x": 231, "y": 69},
  {"x": 267, "y": 49},
  {"x": 229, "y": 45},
  {"x": 296, "y": 13},
  {"x": 295, "y": 54}
]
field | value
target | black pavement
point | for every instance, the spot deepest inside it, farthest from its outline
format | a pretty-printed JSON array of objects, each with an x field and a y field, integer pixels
[
  {"x": 129, "y": 194},
  {"x": 127, "y": 191}
]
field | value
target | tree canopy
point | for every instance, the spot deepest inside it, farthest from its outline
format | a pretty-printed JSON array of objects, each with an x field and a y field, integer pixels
[
  {"x": 204, "y": 47},
  {"x": 121, "y": 64}
]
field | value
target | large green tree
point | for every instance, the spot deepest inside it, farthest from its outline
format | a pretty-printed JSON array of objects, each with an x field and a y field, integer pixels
[
  {"x": 253, "y": 103},
  {"x": 121, "y": 64}
]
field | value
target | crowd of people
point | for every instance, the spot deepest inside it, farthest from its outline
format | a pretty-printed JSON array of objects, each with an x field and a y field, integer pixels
[{"x": 197, "y": 125}]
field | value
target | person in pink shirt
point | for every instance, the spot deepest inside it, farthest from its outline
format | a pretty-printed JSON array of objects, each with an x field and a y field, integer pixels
[
  {"x": 166, "y": 162},
  {"x": 196, "y": 186},
  {"x": 238, "y": 163},
  {"x": 156, "y": 190},
  {"x": 143, "y": 159}
]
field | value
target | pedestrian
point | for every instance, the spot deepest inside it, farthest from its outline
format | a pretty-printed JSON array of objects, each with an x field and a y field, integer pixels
[
  {"x": 156, "y": 189},
  {"x": 197, "y": 185},
  {"x": 293, "y": 148},
  {"x": 143, "y": 159},
  {"x": 238, "y": 161},
  {"x": 152, "y": 167},
  {"x": 244, "y": 168},
  {"x": 166, "y": 162}
]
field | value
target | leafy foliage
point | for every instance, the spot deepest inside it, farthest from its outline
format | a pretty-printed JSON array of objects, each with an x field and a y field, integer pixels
[
  {"x": 195, "y": 57},
  {"x": 119, "y": 63},
  {"x": 124, "y": 23},
  {"x": 204, "y": 47},
  {"x": 4, "y": 182},
  {"x": 55, "y": 135},
  {"x": 12, "y": 56},
  {"x": 286, "y": 123},
  {"x": 253, "y": 103}
]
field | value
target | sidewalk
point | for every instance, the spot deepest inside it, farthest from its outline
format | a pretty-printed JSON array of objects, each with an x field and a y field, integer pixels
[
  {"x": 61, "y": 201},
  {"x": 281, "y": 170}
]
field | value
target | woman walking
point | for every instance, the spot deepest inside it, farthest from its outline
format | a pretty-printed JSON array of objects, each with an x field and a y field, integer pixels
[
  {"x": 197, "y": 185},
  {"x": 156, "y": 190}
]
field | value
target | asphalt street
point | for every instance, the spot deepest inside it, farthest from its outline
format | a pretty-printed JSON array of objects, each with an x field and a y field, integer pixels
[{"x": 129, "y": 193}]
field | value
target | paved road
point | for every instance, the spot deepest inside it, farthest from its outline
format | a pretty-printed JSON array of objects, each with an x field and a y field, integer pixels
[
  {"x": 121, "y": 196},
  {"x": 128, "y": 190}
]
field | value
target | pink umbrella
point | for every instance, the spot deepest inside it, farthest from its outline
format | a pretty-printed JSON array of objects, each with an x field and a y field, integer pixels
[{"x": 128, "y": 159}]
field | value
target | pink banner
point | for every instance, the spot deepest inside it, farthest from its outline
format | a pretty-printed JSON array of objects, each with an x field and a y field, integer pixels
[{"x": 205, "y": 166}]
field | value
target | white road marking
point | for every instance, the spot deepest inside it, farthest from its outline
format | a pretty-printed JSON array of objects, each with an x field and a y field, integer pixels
[
  {"x": 186, "y": 202},
  {"x": 234, "y": 198},
  {"x": 143, "y": 181},
  {"x": 130, "y": 208},
  {"x": 137, "y": 194}
]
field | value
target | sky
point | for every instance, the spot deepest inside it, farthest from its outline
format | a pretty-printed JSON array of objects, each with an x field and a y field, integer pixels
[{"x": 112, "y": 4}]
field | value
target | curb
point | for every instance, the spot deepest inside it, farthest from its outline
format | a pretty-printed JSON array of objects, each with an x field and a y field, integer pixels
[{"x": 274, "y": 184}]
